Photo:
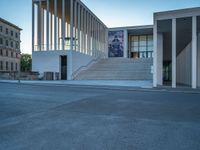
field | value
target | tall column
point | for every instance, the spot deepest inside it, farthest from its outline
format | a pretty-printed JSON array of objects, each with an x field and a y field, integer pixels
[
  {"x": 92, "y": 35},
  {"x": 33, "y": 26},
  {"x": 47, "y": 26},
  {"x": 55, "y": 24},
  {"x": 39, "y": 26},
  {"x": 155, "y": 34},
  {"x": 69, "y": 56},
  {"x": 63, "y": 24},
  {"x": 51, "y": 32},
  {"x": 42, "y": 29},
  {"x": 82, "y": 32},
  {"x": 84, "y": 29},
  {"x": 194, "y": 52},
  {"x": 125, "y": 43},
  {"x": 79, "y": 49},
  {"x": 71, "y": 23},
  {"x": 174, "y": 53},
  {"x": 75, "y": 24},
  {"x": 58, "y": 34}
]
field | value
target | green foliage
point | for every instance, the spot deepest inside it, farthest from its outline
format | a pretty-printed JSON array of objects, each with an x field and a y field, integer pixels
[{"x": 26, "y": 62}]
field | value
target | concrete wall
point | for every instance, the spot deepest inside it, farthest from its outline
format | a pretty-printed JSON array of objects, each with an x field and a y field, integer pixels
[
  {"x": 47, "y": 61},
  {"x": 183, "y": 67},
  {"x": 80, "y": 59},
  {"x": 198, "y": 61}
]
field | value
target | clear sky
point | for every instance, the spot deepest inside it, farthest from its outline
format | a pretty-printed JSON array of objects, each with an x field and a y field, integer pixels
[{"x": 113, "y": 13}]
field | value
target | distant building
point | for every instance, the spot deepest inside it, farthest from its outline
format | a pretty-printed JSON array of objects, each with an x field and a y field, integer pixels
[
  {"x": 68, "y": 39},
  {"x": 9, "y": 47}
]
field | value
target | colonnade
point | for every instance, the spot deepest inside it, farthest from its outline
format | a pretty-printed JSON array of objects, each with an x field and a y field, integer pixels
[
  {"x": 158, "y": 54},
  {"x": 67, "y": 25}
]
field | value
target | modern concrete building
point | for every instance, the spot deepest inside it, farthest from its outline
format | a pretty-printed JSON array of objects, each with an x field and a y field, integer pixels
[
  {"x": 72, "y": 43},
  {"x": 9, "y": 47},
  {"x": 66, "y": 36},
  {"x": 176, "y": 47}
]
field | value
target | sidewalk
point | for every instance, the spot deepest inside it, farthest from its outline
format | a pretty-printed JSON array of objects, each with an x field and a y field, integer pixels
[
  {"x": 122, "y": 83},
  {"x": 128, "y": 85}
]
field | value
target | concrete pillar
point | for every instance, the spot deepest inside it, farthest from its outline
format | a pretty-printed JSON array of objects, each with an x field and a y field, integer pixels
[
  {"x": 69, "y": 57},
  {"x": 42, "y": 29},
  {"x": 84, "y": 29},
  {"x": 55, "y": 24},
  {"x": 63, "y": 24},
  {"x": 92, "y": 36},
  {"x": 33, "y": 26},
  {"x": 155, "y": 34},
  {"x": 79, "y": 26},
  {"x": 51, "y": 32},
  {"x": 174, "y": 53},
  {"x": 125, "y": 43},
  {"x": 194, "y": 52},
  {"x": 198, "y": 60},
  {"x": 160, "y": 59},
  {"x": 47, "y": 26},
  {"x": 39, "y": 26},
  {"x": 58, "y": 34},
  {"x": 75, "y": 24}
]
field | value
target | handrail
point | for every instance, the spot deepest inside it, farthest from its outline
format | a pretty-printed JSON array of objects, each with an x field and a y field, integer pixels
[{"x": 74, "y": 75}]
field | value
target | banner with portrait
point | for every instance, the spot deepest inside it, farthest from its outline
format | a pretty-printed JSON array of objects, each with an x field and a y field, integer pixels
[{"x": 116, "y": 43}]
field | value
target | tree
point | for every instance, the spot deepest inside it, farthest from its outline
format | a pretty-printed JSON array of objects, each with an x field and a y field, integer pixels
[{"x": 26, "y": 62}]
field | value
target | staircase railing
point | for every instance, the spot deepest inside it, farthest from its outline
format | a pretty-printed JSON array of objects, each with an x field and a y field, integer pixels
[{"x": 85, "y": 67}]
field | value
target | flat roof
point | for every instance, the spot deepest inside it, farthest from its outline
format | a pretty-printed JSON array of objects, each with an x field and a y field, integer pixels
[
  {"x": 9, "y": 23},
  {"x": 178, "y": 13},
  {"x": 132, "y": 27}
]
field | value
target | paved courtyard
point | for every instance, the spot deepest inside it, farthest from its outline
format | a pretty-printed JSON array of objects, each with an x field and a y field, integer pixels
[{"x": 64, "y": 117}]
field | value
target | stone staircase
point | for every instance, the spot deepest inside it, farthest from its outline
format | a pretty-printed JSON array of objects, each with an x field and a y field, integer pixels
[{"x": 119, "y": 69}]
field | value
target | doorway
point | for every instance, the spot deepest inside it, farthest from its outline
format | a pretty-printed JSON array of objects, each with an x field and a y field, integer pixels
[{"x": 63, "y": 67}]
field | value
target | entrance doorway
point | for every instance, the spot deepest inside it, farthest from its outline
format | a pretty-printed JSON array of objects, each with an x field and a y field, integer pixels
[{"x": 63, "y": 67}]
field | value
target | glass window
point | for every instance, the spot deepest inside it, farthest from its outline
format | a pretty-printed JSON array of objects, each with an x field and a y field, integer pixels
[
  {"x": 135, "y": 38},
  {"x": 11, "y": 33},
  {"x": 143, "y": 48},
  {"x": 6, "y": 42},
  {"x": 1, "y": 52},
  {"x": 1, "y": 41},
  {"x": 6, "y": 65},
  {"x": 6, "y": 53},
  {"x": 11, "y": 66},
  {"x": 6, "y": 30},
  {"x": 16, "y": 67},
  {"x": 11, "y": 44},
  {"x": 150, "y": 48},
  {"x": 150, "y": 40},
  {"x": 1, "y": 65},
  {"x": 143, "y": 38},
  {"x": 1, "y": 29},
  {"x": 16, "y": 35},
  {"x": 16, "y": 45},
  {"x": 143, "y": 43},
  {"x": 134, "y": 49}
]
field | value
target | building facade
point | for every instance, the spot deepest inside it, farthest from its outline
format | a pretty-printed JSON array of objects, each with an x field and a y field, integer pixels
[
  {"x": 68, "y": 38},
  {"x": 9, "y": 47}
]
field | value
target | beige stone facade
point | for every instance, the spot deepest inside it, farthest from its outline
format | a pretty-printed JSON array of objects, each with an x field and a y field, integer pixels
[{"x": 9, "y": 47}]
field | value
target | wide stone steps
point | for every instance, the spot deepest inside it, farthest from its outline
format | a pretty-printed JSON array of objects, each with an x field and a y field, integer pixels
[{"x": 119, "y": 69}]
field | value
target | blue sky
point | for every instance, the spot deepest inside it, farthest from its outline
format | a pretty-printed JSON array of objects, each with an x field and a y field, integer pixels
[{"x": 113, "y": 13}]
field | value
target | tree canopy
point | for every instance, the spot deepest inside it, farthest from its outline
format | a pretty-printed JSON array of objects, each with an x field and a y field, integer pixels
[{"x": 26, "y": 62}]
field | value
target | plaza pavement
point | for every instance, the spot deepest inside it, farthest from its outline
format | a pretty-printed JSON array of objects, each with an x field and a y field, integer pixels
[{"x": 66, "y": 117}]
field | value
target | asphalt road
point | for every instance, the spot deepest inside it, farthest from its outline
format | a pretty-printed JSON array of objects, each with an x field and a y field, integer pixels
[{"x": 37, "y": 117}]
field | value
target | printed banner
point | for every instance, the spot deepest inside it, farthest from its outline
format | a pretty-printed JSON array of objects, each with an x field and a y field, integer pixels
[{"x": 116, "y": 43}]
